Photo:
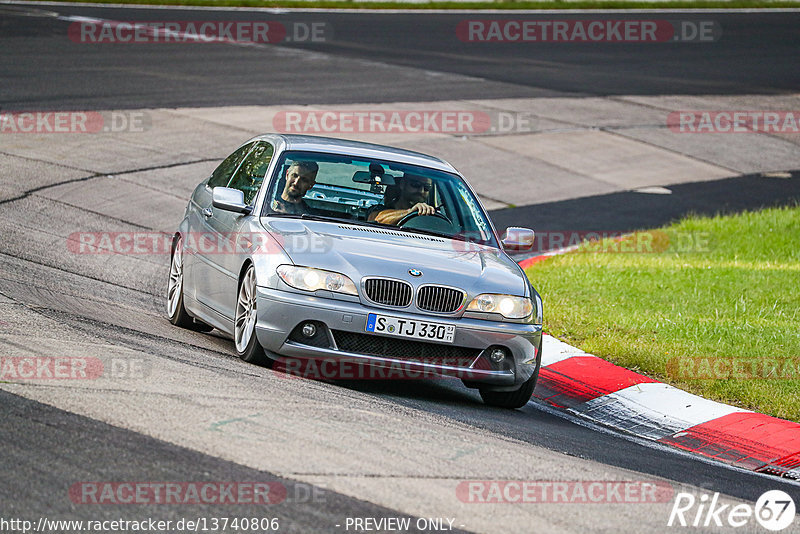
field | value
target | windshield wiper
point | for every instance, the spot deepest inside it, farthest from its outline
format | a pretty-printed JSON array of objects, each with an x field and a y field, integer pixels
[
  {"x": 307, "y": 216},
  {"x": 356, "y": 222},
  {"x": 425, "y": 232},
  {"x": 312, "y": 217},
  {"x": 446, "y": 236}
]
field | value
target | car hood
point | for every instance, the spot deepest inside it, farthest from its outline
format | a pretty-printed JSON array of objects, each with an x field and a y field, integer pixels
[{"x": 360, "y": 251}]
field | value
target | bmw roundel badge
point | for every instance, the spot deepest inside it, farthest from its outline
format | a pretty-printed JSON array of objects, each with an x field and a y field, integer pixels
[{"x": 415, "y": 272}]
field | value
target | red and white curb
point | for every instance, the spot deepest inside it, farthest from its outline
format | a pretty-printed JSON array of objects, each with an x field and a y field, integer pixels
[
  {"x": 594, "y": 389},
  {"x": 599, "y": 391}
]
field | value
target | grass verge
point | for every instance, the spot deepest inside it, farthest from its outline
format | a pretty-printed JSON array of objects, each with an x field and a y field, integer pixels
[
  {"x": 710, "y": 305},
  {"x": 478, "y": 5}
]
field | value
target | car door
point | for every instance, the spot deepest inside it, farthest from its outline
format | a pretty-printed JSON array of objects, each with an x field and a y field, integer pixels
[
  {"x": 222, "y": 266},
  {"x": 198, "y": 243}
]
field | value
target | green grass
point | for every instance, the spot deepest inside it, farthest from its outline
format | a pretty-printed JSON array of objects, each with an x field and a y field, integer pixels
[
  {"x": 499, "y": 4},
  {"x": 733, "y": 294}
]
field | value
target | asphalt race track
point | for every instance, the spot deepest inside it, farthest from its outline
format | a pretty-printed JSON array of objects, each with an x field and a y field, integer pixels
[
  {"x": 178, "y": 406},
  {"x": 756, "y": 55}
]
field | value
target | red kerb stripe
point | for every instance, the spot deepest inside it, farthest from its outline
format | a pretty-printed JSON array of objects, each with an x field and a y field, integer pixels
[
  {"x": 579, "y": 379},
  {"x": 746, "y": 439}
]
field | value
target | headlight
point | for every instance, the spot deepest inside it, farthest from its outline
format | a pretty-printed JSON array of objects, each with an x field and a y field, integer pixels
[
  {"x": 309, "y": 279},
  {"x": 508, "y": 306}
]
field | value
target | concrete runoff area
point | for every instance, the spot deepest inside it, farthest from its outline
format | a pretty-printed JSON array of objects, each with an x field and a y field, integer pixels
[{"x": 563, "y": 154}]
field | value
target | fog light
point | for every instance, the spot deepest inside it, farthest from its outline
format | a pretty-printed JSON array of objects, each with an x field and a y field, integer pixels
[
  {"x": 497, "y": 355},
  {"x": 309, "y": 329}
]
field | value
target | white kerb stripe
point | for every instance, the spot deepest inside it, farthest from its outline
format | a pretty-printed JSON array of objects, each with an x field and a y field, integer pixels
[
  {"x": 554, "y": 350},
  {"x": 653, "y": 410}
]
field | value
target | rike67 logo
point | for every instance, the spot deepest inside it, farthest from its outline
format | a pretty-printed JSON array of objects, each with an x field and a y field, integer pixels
[{"x": 774, "y": 510}]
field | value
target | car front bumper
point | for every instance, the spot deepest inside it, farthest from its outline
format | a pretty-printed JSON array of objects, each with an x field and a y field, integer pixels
[{"x": 280, "y": 313}]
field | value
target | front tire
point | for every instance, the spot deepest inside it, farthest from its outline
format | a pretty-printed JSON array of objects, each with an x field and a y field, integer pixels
[
  {"x": 511, "y": 399},
  {"x": 244, "y": 328}
]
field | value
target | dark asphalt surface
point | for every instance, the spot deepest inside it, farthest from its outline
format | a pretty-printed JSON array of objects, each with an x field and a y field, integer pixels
[
  {"x": 42, "y": 68},
  {"x": 71, "y": 450},
  {"x": 534, "y": 425},
  {"x": 629, "y": 210}
]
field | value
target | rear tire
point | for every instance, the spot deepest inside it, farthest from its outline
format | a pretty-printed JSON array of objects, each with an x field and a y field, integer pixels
[
  {"x": 175, "y": 310},
  {"x": 244, "y": 327}
]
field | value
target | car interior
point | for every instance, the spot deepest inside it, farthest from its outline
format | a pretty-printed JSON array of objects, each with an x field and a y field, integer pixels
[{"x": 351, "y": 189}]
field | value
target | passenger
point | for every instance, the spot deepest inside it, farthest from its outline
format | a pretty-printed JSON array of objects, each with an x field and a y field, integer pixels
[
  {"x": 412, "y": 196},
  {"x": 300, "y": 177}
]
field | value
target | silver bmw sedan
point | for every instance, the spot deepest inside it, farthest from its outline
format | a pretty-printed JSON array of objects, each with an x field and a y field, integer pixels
[{"x": 321, "y": 253}]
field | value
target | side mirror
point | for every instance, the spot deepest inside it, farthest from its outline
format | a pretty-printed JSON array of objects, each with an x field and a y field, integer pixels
[
  {"x": 518, "y": 239},
  {"x": 228, "y": 199}
]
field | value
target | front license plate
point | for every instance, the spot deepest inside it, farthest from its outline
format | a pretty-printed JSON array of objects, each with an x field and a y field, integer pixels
[{"x": 383, "y": 324}]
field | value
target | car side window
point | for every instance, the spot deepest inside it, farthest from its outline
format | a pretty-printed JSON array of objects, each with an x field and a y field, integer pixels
[
  {"x": 251, "y": 173},
  {"x": 222, "y": 174}
]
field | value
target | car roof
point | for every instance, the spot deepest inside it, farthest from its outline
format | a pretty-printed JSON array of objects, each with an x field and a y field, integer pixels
[{"x": 313, "y": 143}]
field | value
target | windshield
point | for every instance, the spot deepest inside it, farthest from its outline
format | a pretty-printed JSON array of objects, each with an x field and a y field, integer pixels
[{"x": 370, "y": 191}]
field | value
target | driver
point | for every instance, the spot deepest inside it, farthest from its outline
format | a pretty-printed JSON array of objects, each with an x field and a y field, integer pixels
[
  {"x": 300, "y": 177},
  {"x": 414, "y": 192}
]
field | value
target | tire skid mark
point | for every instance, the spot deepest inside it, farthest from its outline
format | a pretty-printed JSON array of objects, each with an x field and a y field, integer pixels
[
  {"x": 34, "y": 190},
  {"x": 126, "y": 337}
]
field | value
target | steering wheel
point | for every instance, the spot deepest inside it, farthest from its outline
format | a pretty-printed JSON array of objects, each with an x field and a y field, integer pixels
[{"x": 414, "y": 214}]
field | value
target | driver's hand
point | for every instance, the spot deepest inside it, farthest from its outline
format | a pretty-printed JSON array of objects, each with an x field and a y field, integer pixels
[{"x": 422, "y": 209}]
